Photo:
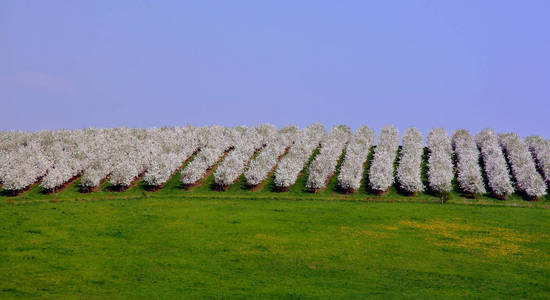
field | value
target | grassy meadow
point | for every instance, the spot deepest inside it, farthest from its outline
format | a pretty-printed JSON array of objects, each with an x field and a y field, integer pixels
[{"x": 162, "y": 247}]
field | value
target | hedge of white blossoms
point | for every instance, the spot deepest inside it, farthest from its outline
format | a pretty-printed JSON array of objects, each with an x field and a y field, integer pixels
[
  {"x": 102, "y": 151},
  {"x": 263, "y": 164},
  {"x": 173, "y": 146},
  {"x": 24, "y": 166},
  {"x": 494, "y": 163},
  {"x": 381, "y": 170},
  {"x": 216, "y": 141},
  {"x": 523, "y": 167},
  {"x": 324, "y": 164},
  {"x": 351, "y": 171},
  {"x": 125, "y": 155},
  {"x": 468, "y": 171},
  {"x": 70, "y": 155},
  {"x": 440, "y": 162},
  {"x": 540, "y": 148},
  {"x": 247, "y": 142},
  {"x": 134, "y": 155},
  {"x": 294, "y": 161},
  {"x": 409, "y": 170}
]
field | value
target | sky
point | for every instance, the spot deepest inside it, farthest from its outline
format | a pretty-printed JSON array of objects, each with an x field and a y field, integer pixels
[{"x": 452, "y": 64}]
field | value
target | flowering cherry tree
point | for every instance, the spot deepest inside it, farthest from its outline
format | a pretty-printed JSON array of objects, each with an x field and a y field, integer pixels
[
  {"x": 175, "y": 146},
  {"x": 246, "y": 144},
  {"x": 54, "y": 159},
  {"x": 381, "y": 170},
  {"x": 410, "y": 162},
  {"x": 70, "y": 156},
  {"x": 523, "y": 167},
  {"x": 351, "y": 171},
  {"x": 261, "y": 166},
  {"x": 494, "y": 164},
  {"x": 294, "y": 161},
  {"x": 540, "y": 149},
  {"x": 10, "y": 144},
  {"x": 324, "y": 164},
  {"x": 468, "y": 170},
  {"x": 217, "y": 140},
  {"x": 440, "y": 163},
  {"x": 26, "y": 166},
  {"x": 133, "y": 157}
]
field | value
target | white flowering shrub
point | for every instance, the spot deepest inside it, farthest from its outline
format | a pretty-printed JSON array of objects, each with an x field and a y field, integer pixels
[
  {"x": 123, "y": 155},
  {"x": 175, "y": 146},
  {"x": 263, "y": 164},
  {"x": 217, "y": 140},
  {"x": 324, "y": 164},
  {"x": 523, "y": 167},
  {"x": 494, "y": 163},
  {"x": 468, "y": 171},
  {"x": 10, "y": 143},
  {"x": 540, "y": 149},
  {"x": 381, "y": 169},
  {"x": 103, "y": 149},
  {"x": 26, "y": 166},
  {"x": 357, "y": 151},
  {"x": 440, "y": 162},
  {"x": 294, "y": 161},
  {"x": 246, "y": 144},
  {"x": 133, "y": 156},
  {"x": 70, "y": 155},
  {"x": 410, "y": 162}
]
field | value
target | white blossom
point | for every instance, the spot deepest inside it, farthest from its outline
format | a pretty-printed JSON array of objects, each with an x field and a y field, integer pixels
[
  {"x": 324, "y": 164},
  {"x": 70, "y": 155},
  {"x": 216, "y": 140},
  {"x": 494, "y": 163},
  {"x": 381, "y": 170},
  {"x": 10, "y": 143},
  {"x": 263, "y": 164},
  {"x": 246, "y": 143},
  {"x": 440, "y": 163},
  {"x": 122, "y": 155},
  {"x": 469, "y": 175},
  {"x": 523, "y": 167},
  {"x": 26, "y": 166},
  {"x": 540, "y": 148},
  {"x": 410, "y": 162},
  {"x": 294, "y": 161},
  {"x": 103, "y": 147},
  {"x": 352, "y": 168},
  {"x": 176, "y": 146},
  {"x": 134, "y": 155}
]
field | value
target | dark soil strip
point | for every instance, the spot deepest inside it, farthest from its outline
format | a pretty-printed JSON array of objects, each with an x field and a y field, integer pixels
[
  {"x": 63, "y": 186},
  {"x": 21, "y": 192},
  {"x": 122, "y": 188},
  {"x": 91, "y": 189}
]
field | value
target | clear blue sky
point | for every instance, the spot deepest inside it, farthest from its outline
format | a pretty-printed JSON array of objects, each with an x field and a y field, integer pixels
[{"x": 452, "y": 64}]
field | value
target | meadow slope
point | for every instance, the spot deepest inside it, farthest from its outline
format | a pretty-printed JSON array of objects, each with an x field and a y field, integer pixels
[{"x": 174, "y": 247}]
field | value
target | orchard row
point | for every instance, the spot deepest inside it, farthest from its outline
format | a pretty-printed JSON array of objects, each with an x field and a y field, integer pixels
[{"x": 485, "y": 163}]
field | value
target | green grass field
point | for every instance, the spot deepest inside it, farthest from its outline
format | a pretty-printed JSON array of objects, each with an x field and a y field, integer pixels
[
  {"x": 202, "y": 243},
  {"x": 162, "y": 247}
]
